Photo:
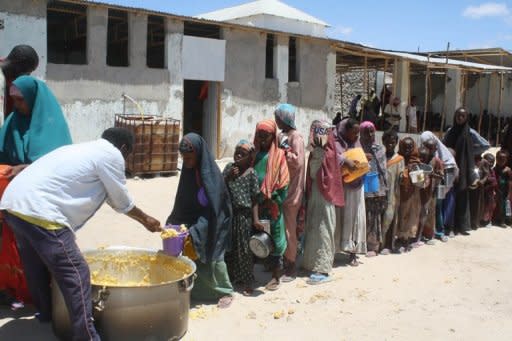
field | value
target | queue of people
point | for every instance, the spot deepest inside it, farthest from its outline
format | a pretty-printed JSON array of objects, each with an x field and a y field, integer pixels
[
  {"x": 326, "y": 212},
  {"x": 320, "y": 207}
]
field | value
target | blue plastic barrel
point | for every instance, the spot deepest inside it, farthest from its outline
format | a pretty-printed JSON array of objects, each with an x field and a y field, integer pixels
[{"x": 371, "y": 182}]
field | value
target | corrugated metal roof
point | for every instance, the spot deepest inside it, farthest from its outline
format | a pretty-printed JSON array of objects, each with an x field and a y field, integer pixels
[
  {"x": 440, "y": 61},
  {"x": 336, "y": 43},
  {"x": 269, "y": 7}
]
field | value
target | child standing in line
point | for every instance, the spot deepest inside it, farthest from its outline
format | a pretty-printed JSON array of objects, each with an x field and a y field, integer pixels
[
  {"x": 292, "y": 142},
  {"x": 428, "y": 194},
  {"x": 273, "y": 178},
  {"x": 489, "y": 188},
  {"x": 395, "y": 166},
  {"x": 242, "y": 182},
  {"x": 502, "y": 215},
  {"x": 410, "y": 201}
]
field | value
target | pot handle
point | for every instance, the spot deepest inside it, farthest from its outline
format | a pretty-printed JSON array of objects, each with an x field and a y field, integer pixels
[
  {"x": 188, "y": 283},
  {"x": 101, "y": 298}
]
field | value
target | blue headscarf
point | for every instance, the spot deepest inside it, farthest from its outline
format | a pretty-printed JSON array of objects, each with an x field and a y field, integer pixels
[
  {"x": 25, "y": 138},
  {"x": 286, "y": 113}
]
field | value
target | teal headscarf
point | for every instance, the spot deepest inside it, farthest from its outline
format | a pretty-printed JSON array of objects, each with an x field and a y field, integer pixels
[{"x": 25, "y": 138}]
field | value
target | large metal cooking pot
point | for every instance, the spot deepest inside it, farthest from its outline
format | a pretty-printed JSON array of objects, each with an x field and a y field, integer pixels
[{"x": 142, "y": 313}]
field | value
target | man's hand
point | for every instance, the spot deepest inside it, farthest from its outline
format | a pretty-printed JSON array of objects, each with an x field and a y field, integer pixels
[
  {"x": 152, "y": 225},
  {"x": 11, "y": 172}
]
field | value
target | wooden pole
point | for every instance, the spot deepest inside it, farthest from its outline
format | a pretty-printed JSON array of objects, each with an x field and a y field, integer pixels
[
  {"x": 384, "y": 86},
  {"x": 443, "y": 114},
  {"x": 395, "y": 67},
  {"x": 491, "y": 100},
  {"x": 365, "y": 87},
  {"x": 341, "y": 92},
  {"x": 480, "y": 118},
  {"x": 500, "y": 103},
  {"x": 425, "y": 107}
]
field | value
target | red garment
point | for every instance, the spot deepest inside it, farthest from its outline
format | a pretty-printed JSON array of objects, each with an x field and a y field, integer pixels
[
  {"x": 12, "y": 276},
  {"x": 328, "y": 177},
  {"x": 277, "y": 175}
]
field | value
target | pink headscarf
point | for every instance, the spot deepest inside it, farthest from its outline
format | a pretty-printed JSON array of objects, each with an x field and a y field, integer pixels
[{"x": 367, "y": 125}]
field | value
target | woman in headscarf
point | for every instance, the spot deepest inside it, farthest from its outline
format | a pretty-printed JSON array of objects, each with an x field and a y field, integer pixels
[
  {"x": 293, "y": 146},
  {"x": 244, "y": 189},
  {"x": 273, "y": 179},
  {"x": 324, "y": 192},
  {"x": 35, "y": 127},
  {"x": 444, "y": 207},
  {"x": 394, "y": 167},
  {"x": 410, "y": 201},
  {"x": 375, "y": 202},
  {"x": 203, "y": 204},
  {"x": 351, "y": 221},
  {"x": 459, "y": 139}
]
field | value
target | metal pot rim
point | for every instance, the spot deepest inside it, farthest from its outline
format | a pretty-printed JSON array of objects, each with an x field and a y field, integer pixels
[{"x": 122, "y": 248}]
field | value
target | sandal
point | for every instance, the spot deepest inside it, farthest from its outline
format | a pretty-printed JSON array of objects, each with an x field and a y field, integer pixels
[
  {"x": 273, "y": 285},
  {"x": 248, "y": 292},
  {"x": 385, "y": 252},
  {"x": 225, "y": 302},
  {"x": 370, "y": 254},
  {"x": 316, "y": 279},
  {"x": 417, "y": 244},
  {"x": 287, "y": 278},
  {"x": 353, "y": 260}
]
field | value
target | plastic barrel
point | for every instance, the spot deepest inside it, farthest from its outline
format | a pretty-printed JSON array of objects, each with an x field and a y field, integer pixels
[{"x": 371, "y": 182}]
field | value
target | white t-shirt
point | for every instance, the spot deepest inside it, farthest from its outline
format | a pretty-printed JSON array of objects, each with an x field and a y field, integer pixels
[
  {"x": 411, "y": 114},
  {"x": 68, "y": 185}
]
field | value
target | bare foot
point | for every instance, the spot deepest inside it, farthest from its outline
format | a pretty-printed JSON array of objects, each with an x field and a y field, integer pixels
[
  {"x": 273, "y": 285},
  {"x": 225, "y": 302}
]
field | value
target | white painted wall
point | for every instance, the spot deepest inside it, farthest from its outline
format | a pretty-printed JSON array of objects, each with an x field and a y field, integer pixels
[
  {"x": 203, "y": 59},
  {"x": 24, "y": 29},
  {"x": 240, "y": 116}
]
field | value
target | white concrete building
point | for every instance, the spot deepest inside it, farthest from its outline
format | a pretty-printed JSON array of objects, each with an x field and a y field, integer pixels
[
  {"x": 219, "y": 78},
  {"x": 219, "y": 73}
]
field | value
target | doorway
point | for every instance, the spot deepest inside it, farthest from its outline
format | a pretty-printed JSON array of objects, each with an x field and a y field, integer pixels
[{"x": 200, "y": 111}]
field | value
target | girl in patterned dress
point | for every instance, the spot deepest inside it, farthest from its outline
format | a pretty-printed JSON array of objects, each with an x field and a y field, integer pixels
[{"x": 243, "y": 186}]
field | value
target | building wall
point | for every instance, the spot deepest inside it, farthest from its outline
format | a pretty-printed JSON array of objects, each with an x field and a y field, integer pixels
[
  {"x": 92, "y": 94},
  {"x": 247, "y": 97},
  {"x": 21, "y": 17}
]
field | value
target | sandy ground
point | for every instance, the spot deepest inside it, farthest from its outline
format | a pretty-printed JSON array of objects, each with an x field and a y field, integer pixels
[{"x": 457, "y": 291}]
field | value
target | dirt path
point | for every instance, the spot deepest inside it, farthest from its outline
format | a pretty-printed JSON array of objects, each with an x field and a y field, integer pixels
[{"x": 459, "y": 291}]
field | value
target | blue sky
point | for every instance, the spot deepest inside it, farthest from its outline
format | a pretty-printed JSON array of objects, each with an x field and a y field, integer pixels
[{"x": 400, "y": 25}]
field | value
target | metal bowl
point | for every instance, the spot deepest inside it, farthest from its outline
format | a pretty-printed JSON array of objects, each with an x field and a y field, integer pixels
[{"x": 261, "y": 244}]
